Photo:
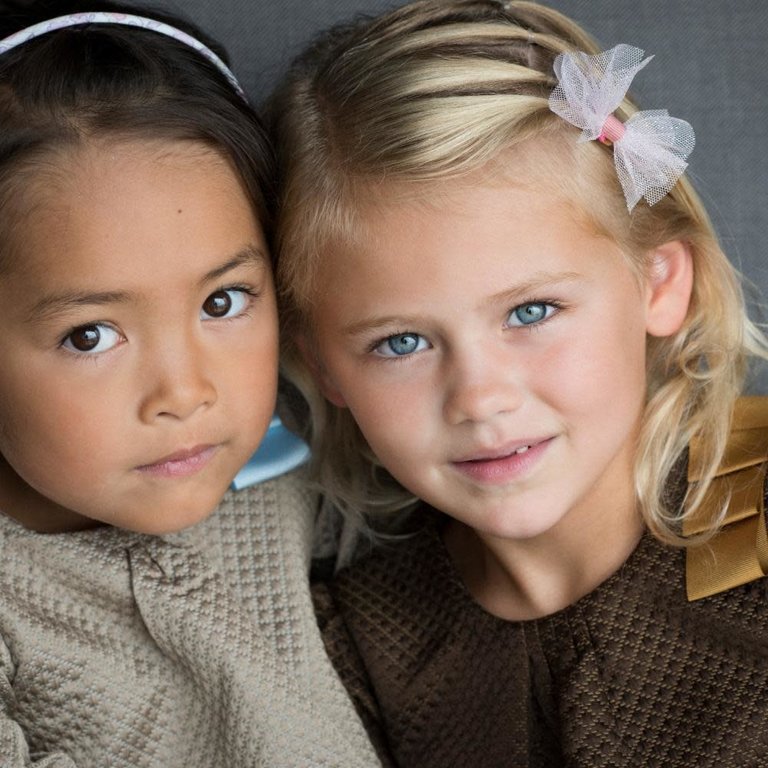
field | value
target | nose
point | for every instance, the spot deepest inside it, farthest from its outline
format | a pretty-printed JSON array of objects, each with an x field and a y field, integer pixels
[
  {"x": 481, "y": 385},
  {"x": 176, "y": 382}
]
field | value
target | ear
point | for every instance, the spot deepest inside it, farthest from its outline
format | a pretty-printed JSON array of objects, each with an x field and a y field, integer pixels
[
  {"x": 669, "y": 285},
  {"x": 318, "y": 371}
]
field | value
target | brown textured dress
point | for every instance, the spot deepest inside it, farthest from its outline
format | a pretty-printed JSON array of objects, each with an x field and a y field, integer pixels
[{"x": 630, "y": 675}]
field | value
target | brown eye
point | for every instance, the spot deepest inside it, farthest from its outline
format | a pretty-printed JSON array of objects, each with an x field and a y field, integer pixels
[
  {"x": 226, "y": 303},
  {"x": 91, "y": 338},
  {"x": 217, "y": 304},
  {"x": 85, "y": 339}
]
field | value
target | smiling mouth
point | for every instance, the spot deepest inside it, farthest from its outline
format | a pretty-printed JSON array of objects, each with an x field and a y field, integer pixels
[
  {"x": 181, "y": 463},
  {"x": 511, "y": 463},
  {"x": 522, "y": 449},
  {"x": 511, "y": 449}
]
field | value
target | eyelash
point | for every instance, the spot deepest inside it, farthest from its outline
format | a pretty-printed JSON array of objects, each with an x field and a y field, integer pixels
[
  {"x": 250, "y": 292},
  {"x": 555, "y": 306},
  {"x": 83, "y": 354},
  {"x": 382, "y": 340}
]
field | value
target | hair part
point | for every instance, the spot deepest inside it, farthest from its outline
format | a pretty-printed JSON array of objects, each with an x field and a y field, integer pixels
[{"x": 444, "y": 89}]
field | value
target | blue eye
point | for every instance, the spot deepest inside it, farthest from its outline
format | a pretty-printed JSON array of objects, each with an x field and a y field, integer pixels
[
  {"x": 91, "y": 339},
  {"x": 529, "y": 314},
  {"x": 401, "y": 344},
  {"x": 225, "y": 303}
]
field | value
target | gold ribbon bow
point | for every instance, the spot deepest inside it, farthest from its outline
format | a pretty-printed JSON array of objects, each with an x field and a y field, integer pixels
[{"x": 739, "y": 552}]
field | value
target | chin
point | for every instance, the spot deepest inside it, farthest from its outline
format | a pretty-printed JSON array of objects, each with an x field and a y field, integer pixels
[
  {"x": 172, "y": 519},
  {"x": 506, "y": 524},
  {"x": 179, "y": 523}
]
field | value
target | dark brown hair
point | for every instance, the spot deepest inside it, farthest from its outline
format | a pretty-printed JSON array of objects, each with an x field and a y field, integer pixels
[{"x": 97, "y": 81}]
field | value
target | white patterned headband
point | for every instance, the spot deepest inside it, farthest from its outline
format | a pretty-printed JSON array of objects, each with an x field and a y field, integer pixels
[
  {"x": 650, "y": 149},
  {"x": 124, "y": 19}
]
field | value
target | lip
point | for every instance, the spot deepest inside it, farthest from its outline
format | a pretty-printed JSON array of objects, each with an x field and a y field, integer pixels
[
  {"x": 505, "y": 464},
  {"x": 181, "y": 463}
]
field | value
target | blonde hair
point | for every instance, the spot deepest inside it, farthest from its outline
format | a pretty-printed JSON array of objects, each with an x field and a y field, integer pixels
[{"x": 440, "y": 89}]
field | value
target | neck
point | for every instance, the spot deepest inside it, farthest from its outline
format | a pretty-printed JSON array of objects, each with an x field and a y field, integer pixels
[
  {"x": 529, "y": 578},
  {"x": 27, "y": 506}
]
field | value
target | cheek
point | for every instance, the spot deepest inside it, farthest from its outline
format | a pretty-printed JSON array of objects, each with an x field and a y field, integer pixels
[
  {"x": 394, "y": 419},
  {"x": 590, "y": 368},
  {"x": 247, "y": 370},
  {"x": 61, "y": 418},
  {"x": 70, "y": 415},
  {"x": 248, "y": 390},
  {"x": 58, "y": 445},
  {"x": 607, "y": 378},
  {"x": 257, "y": 361}
]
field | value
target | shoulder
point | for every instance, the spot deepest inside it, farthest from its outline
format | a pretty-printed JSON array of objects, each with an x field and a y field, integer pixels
[
  {"x": 375, "y": 595},
  {"x": 350, "y": 667},
  {"x": 376, "y": 630},
  {"x": 400, "y": 569},
  {"x": 290, "y": 493},
  {"x": 415, "y": 651},
  {"x": 89, "y": 559},
  {"x": 370, "y": 605},
  {"x": 402, "y": 603},
  {"x": 275, "y": 515}
]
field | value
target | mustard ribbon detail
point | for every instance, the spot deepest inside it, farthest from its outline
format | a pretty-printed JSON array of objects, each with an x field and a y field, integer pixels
[{"x": 739, "y": 551}]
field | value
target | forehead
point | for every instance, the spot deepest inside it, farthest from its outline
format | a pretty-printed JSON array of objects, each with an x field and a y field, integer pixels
[
  {"x": 128, "y": 214},
  {"x": 499, "y": 202},
  {"x": 465, "y": 239},
  {"x": 577, "y": 177},
  {"x": 49, "y": 190},
  {"x": 96, "y": 172}
]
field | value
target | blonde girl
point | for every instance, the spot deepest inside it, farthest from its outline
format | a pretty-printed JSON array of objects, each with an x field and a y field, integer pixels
[
  {"x": 511, "y": 317},
  {"x": 143, "y": 620}
]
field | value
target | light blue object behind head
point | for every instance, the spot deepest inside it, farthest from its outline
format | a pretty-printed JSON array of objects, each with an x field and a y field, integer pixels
[{"x": 280, "y": 452}]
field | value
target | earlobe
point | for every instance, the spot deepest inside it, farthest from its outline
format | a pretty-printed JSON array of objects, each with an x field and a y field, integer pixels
[
  {"x": 319, "y": 373},
  {"x": 669, "y": 285}
]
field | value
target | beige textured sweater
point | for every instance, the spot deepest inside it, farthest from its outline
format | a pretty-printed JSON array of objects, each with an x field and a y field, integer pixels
[{"x": 194, "y": 649}]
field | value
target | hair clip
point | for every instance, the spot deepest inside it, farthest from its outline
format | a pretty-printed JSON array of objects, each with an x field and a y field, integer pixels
[{"x": 650, "y": 149}]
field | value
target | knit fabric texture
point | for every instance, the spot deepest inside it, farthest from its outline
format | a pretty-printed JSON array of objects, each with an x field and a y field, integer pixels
[
  {"x": 630, "y": 675},
  {"x": 196, "y": 649}
]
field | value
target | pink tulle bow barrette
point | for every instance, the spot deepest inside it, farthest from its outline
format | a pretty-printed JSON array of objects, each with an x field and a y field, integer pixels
[{"x": 650, "y": 148}]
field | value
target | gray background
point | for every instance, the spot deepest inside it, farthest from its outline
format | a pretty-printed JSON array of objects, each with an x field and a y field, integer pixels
[{"x": 710, "y": 69}]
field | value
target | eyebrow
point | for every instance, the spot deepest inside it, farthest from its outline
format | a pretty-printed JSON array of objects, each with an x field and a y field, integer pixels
[
  {"x": 520, "y": 292},
  {"x": 528, "y": 290},
  {"x": 248, "y": 255},
  {"x": 52, "y": 305}
]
